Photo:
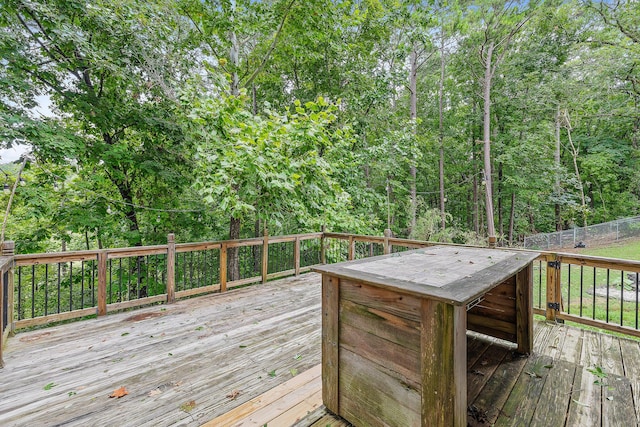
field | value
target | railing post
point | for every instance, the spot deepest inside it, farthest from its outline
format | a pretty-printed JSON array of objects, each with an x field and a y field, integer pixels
[
  {"x": 8, "y": 249},
  {"x": 102, "y": 283},
  {"x": 352, "y": 248},
  {"x": 323, "y": 249},
  {"x": 386, "y": 245},
  {"x": 171, "y": 268},
  {"x": 265, "y": 254},
  {"x": 554, "y": 295},
  {"x": 296, "y": 256},
  {"x": 223, "y": 267}
]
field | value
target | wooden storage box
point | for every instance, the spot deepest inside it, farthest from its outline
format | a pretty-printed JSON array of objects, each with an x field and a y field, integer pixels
[{"x": 394, "y": 330}]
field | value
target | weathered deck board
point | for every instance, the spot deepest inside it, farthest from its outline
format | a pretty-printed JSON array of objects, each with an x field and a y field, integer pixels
[
  {"x": 199, "y": 350},
  {"x": 204, "y": 349}
]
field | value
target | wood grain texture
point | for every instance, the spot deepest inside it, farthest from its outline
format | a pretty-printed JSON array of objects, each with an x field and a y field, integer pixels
[
  {"x": 330, "y": 342},
  {"x": 388, "y": 326},
  {"x": 223, "y": 268},
  {"x": 375, "y": 394},
  {"x": 171, "y": 268},
  {"x": 199, "y": 349},
  {"x": 383, "y": 300},
  {"x": 102, "y": 283},
  {"x": 524, "y": 309},
  {"x": 443, "y": 364}
]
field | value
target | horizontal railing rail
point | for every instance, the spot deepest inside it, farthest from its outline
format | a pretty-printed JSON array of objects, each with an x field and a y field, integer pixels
[{"x": 44, "y": 288}]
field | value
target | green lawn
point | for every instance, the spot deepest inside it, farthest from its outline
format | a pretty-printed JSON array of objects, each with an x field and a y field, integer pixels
[{"x": 629, "y": 249}]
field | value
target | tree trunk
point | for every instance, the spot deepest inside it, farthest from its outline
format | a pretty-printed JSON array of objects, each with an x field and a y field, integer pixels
[
  {"x": 558, "y": 212},
  {"x": 488, "y": 74},
  {"x": 500, "y": 222},
  {"x": 474, "y": 162},
  {"x": 574, "y": 154},
  {"x": 441, "y": 131},
  {"x": 512, "y": 218},
  {"x": 129, "y": 211},
  {"x": 413, "y": 114}
]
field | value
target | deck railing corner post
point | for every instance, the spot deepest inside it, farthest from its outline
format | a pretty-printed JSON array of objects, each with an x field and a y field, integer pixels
[
  {"x": 296, "y": 256},
  {"x": 387, "y": 235},
  {"x": 102, "y": 283},
  {"x": 171, "y": 268},
  {"x": 352, "y": 248}
]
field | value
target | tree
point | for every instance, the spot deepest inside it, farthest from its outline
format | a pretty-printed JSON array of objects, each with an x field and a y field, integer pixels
[
  {"x": 109, "y": 71},
  {"x": 499, "y": 22}
]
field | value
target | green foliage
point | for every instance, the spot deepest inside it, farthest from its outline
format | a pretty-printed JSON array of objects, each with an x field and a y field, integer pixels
[{"x": 178, "y": 116}]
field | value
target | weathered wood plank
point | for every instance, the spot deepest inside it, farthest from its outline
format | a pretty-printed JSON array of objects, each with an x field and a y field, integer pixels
[
  {"x": 488, "y": 405},
  {"x": 245, "y": 410},
  {"x": 331, "y": 288},
  {"x": 492, "y": 326},
  {"x": 617, "y": 402},
  {"x": 198, "y": 350},
  {"x": 171, "y": 268},
  {"x": 630, "y": 357},
  {"x": 585, "y": 408},
  {"x": 376, "y": 394},
  {"x": 611, "y": 355},
  {"x": 475, "y": 349},
  {"x": 404, "y": 306},
  {"x": 102, "y": 283},
  {"x": 524, "y": 309},
  {"x": 392, "y": 328},
  {"x": 484, "y": 369},
  {"x": 555, "y": 398},
  {"x": 443, "y": 358},
  {"x": 521, "y": 404},
  {"x": 572, "y": 347},
  {"x": 393, "y": 356}
]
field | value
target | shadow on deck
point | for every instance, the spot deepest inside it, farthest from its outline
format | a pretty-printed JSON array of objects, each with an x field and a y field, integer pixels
[{"x": 252, "y": 354}]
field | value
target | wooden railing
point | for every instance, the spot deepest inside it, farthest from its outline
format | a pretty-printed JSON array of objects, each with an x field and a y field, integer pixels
[
  {"x": 6, "y": 287},
  {"x": 54, "y": 287},
  {"x": 59, "y": 286},
  {"x": 593, "y": 291}
]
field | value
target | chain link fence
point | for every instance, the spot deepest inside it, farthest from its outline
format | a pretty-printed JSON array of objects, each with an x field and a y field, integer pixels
[{"x": 591, "y": 235}]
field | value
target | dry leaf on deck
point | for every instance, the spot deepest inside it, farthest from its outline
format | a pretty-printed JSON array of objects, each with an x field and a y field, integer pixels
[
  {"x": 234, "y": 394},
  {"x": 154, "y": 392},
  {"x": 119, "y": 392}
]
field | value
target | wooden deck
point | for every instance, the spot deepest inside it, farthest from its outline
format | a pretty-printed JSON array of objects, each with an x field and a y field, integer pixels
[{"x": 251, "y": 356}]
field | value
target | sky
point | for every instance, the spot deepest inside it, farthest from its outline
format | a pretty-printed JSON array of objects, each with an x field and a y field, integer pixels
[{"x": 8, "y": 155}]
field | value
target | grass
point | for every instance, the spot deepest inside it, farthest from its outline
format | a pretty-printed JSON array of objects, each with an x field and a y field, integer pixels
[{"x": 627, "y": 249}]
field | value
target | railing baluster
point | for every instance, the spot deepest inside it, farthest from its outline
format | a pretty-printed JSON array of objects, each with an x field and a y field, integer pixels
[
  {"x": 636, "y": 289},
  {"x": 46, "y": 289},
  {"x": 71, "y": 286},
  {"x": 593, "y": 314},
  {"x": 621, "y": 298},
  {"x": 569, "y": 289},
  {"x": 581, "y": 287},
  {"x": 607, "y": 312},
  {"x": 33, "y": 290},
  {"x": 20, "y": 314},
  {"x": 59, "y": 284},
  {"x": 82, "y": 284}
]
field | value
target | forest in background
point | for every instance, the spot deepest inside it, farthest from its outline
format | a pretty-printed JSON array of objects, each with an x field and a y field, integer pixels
[{"x": 445, "y": 120}]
